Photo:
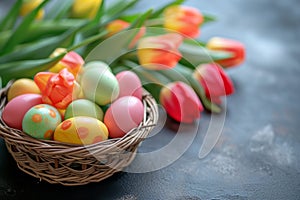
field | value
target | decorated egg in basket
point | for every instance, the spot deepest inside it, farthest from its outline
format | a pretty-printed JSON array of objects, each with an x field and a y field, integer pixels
[
  {"x": 40, "y": 121},
  {"x": 81, "y": 130}
]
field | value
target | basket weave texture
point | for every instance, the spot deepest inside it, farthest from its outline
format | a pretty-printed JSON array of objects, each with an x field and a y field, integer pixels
[{"x": 70, "y": 165}]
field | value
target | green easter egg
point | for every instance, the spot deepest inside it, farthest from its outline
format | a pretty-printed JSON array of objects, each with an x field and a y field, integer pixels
[
  {"x": 96, "y": 64},
  {"x": 40, "y": 121},
  {"x": 84, "y": 107},
  {"x": 100, "y": 86}
]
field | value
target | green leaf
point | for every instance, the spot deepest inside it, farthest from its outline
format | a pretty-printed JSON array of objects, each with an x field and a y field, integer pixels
[
  {"x": 152, "y": 76},
  {"x": 59, "y": 10},
  {"x": 40, "y": 49},
  {"x": 47, "y": 28},
  {"x": 130, "y": 18},
  {"x": 209, "y": 18},
  {"x": 194, "y": 55},
  {"x": 21, "y": 30},
  {"x": 10, "y": 19},
  {"x": 157, "y": 13},
  {"x": 135, "y": 25},
  {"x": 194, "y": 42},
  {"x": 27, "y": 68},
  {"x": 4, "y": 35},
  {"x": 220, "y": 55},
  {"x": 117, "y": 9},
  {"x": 140, "y": 20},
  {"x": 174, "y": 76},
  {"x": 87, "y": 41},
  {"x": 115, "y": 46},
  {"x": 100, "y": 13}
]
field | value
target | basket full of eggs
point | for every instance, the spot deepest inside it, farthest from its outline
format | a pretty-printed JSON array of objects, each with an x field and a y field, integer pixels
[{"x": 74, "y": 127}]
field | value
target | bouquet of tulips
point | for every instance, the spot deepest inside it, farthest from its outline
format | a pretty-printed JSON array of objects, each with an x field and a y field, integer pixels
[{"x": 161, "y": 47}]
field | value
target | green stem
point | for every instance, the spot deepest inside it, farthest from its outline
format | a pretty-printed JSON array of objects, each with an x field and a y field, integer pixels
[{"x": 88, "y": 41}]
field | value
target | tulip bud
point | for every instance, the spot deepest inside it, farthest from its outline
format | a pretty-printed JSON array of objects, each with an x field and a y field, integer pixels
[
  {"x": 85, "y": 9},
  {"x": 119, "y": 25},
  {"x": 29, "y": 5},
  {"x": 183, "y": 19},
  {"x": 72, "y": 61},
  {"x": 57, "y": 89},
  {"x": 180, "y": 102},
  {"x": 228, "y": 45},
  {"x": 159, "y": 52},
  {"x": 116, "y": 26},
  {"x": 214, "y": 80}
]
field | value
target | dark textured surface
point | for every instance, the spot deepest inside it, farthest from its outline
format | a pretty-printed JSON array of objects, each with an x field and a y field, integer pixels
[{"x": 258, "y": 154}]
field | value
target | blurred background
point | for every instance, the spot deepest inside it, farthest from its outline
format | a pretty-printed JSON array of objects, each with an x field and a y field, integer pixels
[{"x": 258, "y": 154}]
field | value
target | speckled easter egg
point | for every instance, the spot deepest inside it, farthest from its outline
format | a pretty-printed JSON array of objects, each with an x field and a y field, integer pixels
[
  {"x": 83, "y": 107},
  {"x": 40, "y": 121},
  {"x": 99, "y": 85},
  {"x": 123, "y": 115},
  {"x": 130, "y": 84},
  {"x": 81, "y": 130}
]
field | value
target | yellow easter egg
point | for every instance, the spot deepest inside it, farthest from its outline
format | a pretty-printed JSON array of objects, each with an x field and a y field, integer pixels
[
  {"x": 81, "y": 130},
  {"x": 22, "y": 86}
]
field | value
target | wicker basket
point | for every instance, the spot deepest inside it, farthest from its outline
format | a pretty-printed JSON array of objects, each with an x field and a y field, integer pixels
[{"x": 70, "y": 165}]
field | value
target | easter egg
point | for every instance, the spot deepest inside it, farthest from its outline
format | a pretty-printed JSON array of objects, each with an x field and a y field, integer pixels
[
  {"x": 22, "y": 86},
  {"x": 15, "y": 109},
  {"x": 40, "y": 121},
  {"x": 91, "y": 65},
  {"x": 96, "y": 64},
  {"x": 81, "y": 130},
  {"x": 100, "y": 86},
  {"x": 130, "y": 84},
  {"x": 123, "y": 115},
  {"x": 84, "y": 107}
]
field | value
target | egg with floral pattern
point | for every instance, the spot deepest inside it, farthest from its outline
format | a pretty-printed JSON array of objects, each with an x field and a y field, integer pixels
[{"x": 41, "y": 121}]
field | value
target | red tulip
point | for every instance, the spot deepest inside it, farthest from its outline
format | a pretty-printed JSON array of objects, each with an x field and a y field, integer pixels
[
  {"x": 183, "y": 19},
  {"x": 228, "y": 45},
  {"x": 57, "y": 89},
  {"x": 181, "y": 102},
  {"x": 159, "y": 52},
  {"x": 214, "y": 80}
]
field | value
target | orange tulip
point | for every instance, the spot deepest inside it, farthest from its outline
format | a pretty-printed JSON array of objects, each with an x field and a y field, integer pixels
[
  {"x": 72, "y": 61},
  {"x": 116, "y": 26},
  {"x": 181, "y": 102},
  {"x": 57, "y": 89},
  {"x": 185, "y": 20},
  {"x": 228, "y": 45},
  {"x": 214, "y": 80},
  {"x": 159, "y": 52},
  {"x": 119, "y": 25}
]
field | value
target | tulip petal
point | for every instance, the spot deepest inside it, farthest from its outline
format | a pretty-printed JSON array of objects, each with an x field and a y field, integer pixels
[
  {"x": 228, "y": 45},
  {"x": 181, "y": 102},
  {"x": 159, "y": 52}
]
